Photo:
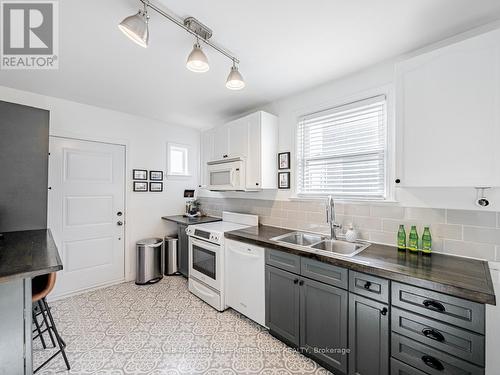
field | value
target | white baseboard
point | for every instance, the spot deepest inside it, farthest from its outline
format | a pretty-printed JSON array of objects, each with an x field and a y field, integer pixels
[{"x": 84, "y": 290}]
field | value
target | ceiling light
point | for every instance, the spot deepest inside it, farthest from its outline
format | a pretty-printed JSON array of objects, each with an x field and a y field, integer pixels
[
  {"x": 235, "y": 79},
  {"x": 197, "y": 61},
  {"x": 136, "y": 27}
]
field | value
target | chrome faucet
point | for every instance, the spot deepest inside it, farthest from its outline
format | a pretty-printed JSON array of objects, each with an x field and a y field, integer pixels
[{"x": 330, "y": 218}]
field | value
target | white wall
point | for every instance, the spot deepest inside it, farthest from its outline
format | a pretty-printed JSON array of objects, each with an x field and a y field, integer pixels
[
  {"x": 146, "y": 148},
  {"x": 372, "y": 81}
]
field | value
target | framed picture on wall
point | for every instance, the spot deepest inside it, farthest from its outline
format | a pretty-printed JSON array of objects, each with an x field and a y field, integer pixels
[
  {"x": 139, "y": 174},
  {"x": 140, "y": 186},
  {"x": 284, "y": 180},
  {"x": 156, "y": 187},
  {"x": 156, "y": 175},
  {"x": 284, "y": 160}
]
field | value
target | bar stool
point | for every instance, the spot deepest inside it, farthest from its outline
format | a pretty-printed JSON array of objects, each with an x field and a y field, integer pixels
[{"x": 41, "y": 286}]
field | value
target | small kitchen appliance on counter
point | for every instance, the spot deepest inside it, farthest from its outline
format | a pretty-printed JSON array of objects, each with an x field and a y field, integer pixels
[{"x": 206, "y": 256}]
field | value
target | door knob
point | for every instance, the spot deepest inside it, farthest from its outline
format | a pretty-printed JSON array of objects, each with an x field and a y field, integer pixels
[
  {"x": 119, "y": 213},
  {"x": 119, "y": 223}
]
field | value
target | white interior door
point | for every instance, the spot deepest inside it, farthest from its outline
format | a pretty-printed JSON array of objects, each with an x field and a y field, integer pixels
[{"x": 86, "y": 212}]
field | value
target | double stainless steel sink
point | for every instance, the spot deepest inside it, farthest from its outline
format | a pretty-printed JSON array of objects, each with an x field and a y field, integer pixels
[{"x": 316, "y": 242}]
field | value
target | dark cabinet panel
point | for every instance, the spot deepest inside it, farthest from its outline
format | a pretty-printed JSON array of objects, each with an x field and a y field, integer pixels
[
  {"x": 323, "y": 323},
  {"x": 324, "y": 272},
  {"x": 282, "y": 304},
  {"x": 24, "y": 150},
  {"x": 183, "y": 250},
  {"x": 283, "y": 260},
  {"x": 368, "y": 336},
  {"x": 448, "y": 309}
]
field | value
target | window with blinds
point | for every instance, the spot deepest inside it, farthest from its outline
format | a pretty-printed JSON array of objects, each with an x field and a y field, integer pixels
[{"x": 342, "y": 151}]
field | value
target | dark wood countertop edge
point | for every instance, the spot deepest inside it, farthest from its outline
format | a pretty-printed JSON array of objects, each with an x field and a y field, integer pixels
[
  {"x": 185, "y": 220},
  {"x": 453, "y": 290},
  {"x": 30, "y": 274}
]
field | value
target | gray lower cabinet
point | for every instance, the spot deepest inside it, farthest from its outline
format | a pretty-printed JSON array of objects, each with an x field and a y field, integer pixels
[
  {"x": 183, "y": 250},
  {"x": 323, "y": 323},
  {"x": 283, "y": 304},
  {"x": 368, "y": 336}
]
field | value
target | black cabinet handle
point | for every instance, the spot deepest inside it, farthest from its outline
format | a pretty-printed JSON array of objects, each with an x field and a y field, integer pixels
[
  {"x": 384, "y": 311},
  {"x": 367, "y": 285},
  {"x": 432, "y": 362},
  {"x": 301, "y": 282},
  {"x": 433, "y": 305},
  {"x": 296, "y": 281},
  {"x": 433, "y": 334}
]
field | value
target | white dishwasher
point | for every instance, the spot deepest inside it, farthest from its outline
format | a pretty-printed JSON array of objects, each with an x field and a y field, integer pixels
[{"x": 245, "y": 279}]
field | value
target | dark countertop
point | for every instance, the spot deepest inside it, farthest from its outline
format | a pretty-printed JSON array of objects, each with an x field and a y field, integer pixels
[
  {"x": 179, "y": 219},
  {"x": 460, "y": 277},
  {"x": 28, "y": 253}
]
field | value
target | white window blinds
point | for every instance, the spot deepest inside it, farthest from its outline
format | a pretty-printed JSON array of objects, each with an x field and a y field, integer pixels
[{"x": 342, "y": 151}]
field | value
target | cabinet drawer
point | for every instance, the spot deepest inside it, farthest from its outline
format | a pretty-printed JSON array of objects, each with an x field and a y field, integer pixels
[
  {"x": 400, "y": 368},
  {"x": 451, "y": 310},
  {"x": 285, "y": 261},
  {"x": 324, "y": 272},
  {"x": 429, "y": 360},
  {"x": 455, "y": 341},
  {"x": 369, "y": 286}
]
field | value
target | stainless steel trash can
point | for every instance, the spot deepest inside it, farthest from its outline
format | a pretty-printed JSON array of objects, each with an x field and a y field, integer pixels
[
  {"x": 150, "y": 261},
  {"x": 171, "y": 265}
]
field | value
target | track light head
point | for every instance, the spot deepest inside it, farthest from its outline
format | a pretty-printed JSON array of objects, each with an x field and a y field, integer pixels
[
  {"x": 197, "y": 61},
  {"x": 136, "y": 28},
  {"x": 235, "y": 80}
]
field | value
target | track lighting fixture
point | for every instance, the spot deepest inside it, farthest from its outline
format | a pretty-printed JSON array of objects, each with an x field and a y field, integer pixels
[
  {"x": 136, "y": 27},
  {"x": 197, "y": 61},
  {"x": 235, "y": 79}
]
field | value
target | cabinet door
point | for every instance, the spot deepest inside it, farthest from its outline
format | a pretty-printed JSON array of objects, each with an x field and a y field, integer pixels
[
  {"x": 183, "y": 250},
  {"x": 207, "y": 153},
  {"x": 221, "y": 142},
  {"x": 254, "y": 161},
  {"x": 282, "y": 304},
  {"x": 323, "y": 323},
  {"x": 238, "y": 138},
  {"x": 368, "y": 336},
  {"x": 448, "y": 115}
]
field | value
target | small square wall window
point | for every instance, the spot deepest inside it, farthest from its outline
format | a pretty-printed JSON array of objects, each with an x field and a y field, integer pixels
[{"x": 177, "y": 160}]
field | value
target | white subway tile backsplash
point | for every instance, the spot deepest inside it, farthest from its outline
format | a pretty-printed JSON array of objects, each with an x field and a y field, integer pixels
[
  {"x": 365, "y": 222},
  {"x": 389, "y": 212},
  {"x": 449, "y": 231},
  {"x": 426, "y": 215},
  {"x": 481, "y": 234},
  {"x": 470, "y": 249},
  {"x": 357, "y": 209},
  {"x": 460, "y": 232},
  {"x": 475, "y": 218}
]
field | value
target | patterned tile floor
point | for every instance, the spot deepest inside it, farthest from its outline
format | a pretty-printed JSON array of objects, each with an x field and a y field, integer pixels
[{"x": 163, "y": 329}]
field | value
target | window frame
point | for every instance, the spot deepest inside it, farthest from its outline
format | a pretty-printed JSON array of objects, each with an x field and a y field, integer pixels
[
  {"x": 186, "y": 151},
  {"x": 390, "y": 149}
]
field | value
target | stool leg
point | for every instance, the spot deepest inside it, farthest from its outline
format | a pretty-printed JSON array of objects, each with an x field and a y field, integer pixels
[
  {"x": 40, "y": 334},
  {"x": 46, "y": 324},
  {"x": 56, "y": 333}
]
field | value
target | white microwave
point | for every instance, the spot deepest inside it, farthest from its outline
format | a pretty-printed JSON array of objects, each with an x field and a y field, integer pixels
[{"x": 226, "y": 175}]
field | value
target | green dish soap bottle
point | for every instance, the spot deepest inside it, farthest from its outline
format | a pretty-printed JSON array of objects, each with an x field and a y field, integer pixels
[
  {"x": 413, "y": 239},
  {"x": 426, "y": 241},
  {"x": 402, "y": 238}
]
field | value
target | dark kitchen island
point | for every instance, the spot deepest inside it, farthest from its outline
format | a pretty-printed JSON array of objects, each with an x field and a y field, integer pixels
[{"x": 23, "y": 255}]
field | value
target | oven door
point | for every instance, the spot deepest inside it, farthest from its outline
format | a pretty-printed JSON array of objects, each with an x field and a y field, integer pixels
[{"x": 205, "y": 262}]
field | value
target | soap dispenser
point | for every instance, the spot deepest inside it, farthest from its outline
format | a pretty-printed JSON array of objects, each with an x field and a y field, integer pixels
[{"x": 351, "y": 235}]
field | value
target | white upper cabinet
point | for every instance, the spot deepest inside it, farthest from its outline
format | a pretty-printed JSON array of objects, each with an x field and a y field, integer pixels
[
  {"x": 253, "y": 138},
  {"x": 448, "y": 115},
  {"x": 221, "y": 143}
]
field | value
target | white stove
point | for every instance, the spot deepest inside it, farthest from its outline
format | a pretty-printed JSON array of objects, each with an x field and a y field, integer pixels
[{"x": 206, "y": 256}]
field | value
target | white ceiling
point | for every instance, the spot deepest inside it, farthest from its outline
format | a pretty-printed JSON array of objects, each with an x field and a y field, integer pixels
[{"x": 285, "y": 46}]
